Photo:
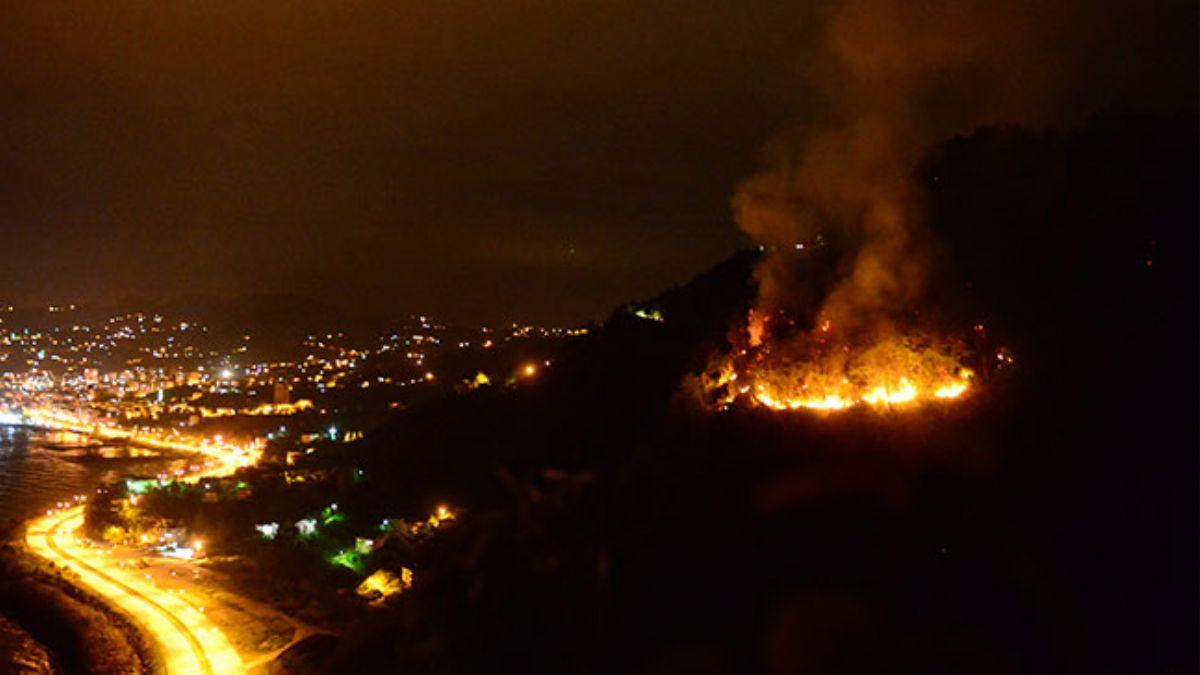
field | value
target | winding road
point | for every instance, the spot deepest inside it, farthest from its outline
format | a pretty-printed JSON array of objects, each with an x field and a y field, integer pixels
[{"x": 189, "y": 642}]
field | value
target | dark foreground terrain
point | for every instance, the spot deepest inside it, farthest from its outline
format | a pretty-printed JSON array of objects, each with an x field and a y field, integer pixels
[{"x": 69, "y": 629}]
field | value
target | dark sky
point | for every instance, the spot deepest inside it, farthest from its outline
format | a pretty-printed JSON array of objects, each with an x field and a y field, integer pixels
[{"x": 479, "y": 160}]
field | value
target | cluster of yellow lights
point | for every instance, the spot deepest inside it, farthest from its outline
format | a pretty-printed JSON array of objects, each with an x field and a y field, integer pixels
[
  {"x": 190, "y": 642},
  {"x": 441, "y": 515},
  {"x": 383, "y": 584},
  {"x": 303, "y": 405},
  {"x": 227, "y": 456}
]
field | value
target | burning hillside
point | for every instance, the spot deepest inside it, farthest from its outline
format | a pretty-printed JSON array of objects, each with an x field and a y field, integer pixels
[
  {"x": 841, "y": 327},
  {"x": 826, "y": 371}
]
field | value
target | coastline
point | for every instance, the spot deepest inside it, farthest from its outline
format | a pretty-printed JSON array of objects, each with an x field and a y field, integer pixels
[
  {"x": 79, "y": 631},
  {"x": 51, "y": 618},
  {"x": 162, "y": 628}
]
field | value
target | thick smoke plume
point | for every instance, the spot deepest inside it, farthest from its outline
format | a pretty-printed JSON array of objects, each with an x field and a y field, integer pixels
[{"x": 893, "y": 77}]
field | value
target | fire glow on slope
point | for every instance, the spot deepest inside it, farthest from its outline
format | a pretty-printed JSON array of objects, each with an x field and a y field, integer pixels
[{"x": 826, "y": 375}]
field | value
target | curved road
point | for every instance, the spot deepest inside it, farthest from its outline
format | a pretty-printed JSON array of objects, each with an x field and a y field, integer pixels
[{"x": 190, "y": 642}]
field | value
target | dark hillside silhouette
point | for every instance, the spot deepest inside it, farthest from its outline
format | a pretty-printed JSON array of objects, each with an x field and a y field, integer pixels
[{"x": 1048, "y": 524}]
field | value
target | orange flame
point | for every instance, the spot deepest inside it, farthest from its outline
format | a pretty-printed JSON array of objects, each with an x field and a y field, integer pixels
[{"x": 806, "y": 373}]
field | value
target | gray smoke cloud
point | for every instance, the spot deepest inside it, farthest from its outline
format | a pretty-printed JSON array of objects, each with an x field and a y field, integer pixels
[{"x": 894, "y": 77}]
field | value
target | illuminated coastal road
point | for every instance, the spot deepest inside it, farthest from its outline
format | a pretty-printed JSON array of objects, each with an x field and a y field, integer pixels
[{"x": 189, "y": 642}]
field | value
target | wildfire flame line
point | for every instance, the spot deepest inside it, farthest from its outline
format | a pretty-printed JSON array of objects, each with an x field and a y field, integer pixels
[{"x": 894, "y": 372}]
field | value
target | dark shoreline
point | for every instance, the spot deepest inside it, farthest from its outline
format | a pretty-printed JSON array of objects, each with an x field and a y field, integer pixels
[
  {"x": 79, "y": 630},
  {"x": 20, "y": 653}
]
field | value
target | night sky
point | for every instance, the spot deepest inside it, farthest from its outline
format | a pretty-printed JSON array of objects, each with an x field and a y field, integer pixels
[{"x": 478, "y": 160}]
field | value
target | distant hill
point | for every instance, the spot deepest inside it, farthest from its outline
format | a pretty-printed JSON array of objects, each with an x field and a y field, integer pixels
[
  {"x": 269, "y": 316},
  {"x": 601, "y": 390}
]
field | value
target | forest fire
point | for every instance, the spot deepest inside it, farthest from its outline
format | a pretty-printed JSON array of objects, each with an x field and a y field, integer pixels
[{"x": 817, "y": 371}]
